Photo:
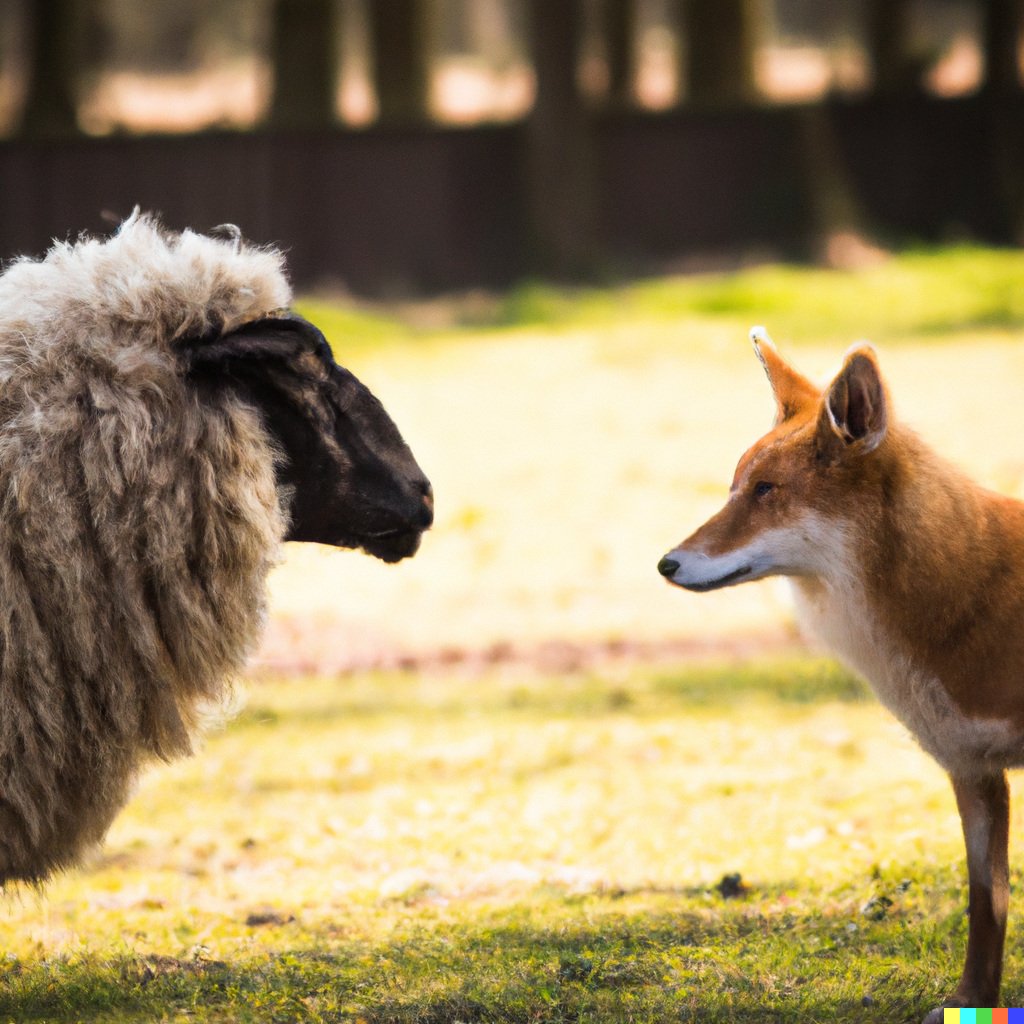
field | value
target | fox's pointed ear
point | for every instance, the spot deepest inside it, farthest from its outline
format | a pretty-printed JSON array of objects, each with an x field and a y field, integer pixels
[
  {"x": 856, "y": 405},
  {"x": 792, "y": 390}
]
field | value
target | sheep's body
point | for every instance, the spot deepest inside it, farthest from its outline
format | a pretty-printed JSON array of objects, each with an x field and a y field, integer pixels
[{"x": 138, "y": 522}]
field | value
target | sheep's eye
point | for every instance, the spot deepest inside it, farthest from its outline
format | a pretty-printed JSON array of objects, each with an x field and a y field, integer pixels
[{"x": 762, "y": 487}]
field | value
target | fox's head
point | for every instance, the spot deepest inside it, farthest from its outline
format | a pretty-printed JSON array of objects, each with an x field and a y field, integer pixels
[{"x": 820, "y": 466}]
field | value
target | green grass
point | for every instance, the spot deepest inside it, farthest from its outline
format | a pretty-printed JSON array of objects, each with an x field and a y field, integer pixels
[
  {"x": 922, "y": 293},
  {"x": 349, "y": 327},
  {"x": 803, "y": 681},
  {"x": 791, "y": 954},
  {"x": 519, "y": 847},
  {"x": 717, "y": 686}
]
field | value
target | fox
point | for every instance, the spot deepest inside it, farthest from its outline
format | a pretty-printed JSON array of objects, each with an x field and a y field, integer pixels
[{"x": 912, "y": 575}]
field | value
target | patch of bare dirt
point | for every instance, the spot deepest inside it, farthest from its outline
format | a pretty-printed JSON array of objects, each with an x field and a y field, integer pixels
[{"x": 292, "y": 647}]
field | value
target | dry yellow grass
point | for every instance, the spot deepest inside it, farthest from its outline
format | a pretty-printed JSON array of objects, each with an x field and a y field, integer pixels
[
  {"x": 566, "y": 463},
  {"x": 338, "y": 802}
]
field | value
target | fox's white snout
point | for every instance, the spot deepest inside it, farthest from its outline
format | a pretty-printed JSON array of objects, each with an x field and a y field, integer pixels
[{"x": 696, "y": 571}]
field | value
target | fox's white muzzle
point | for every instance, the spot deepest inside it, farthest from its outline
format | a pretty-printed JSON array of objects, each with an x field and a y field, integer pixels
[
  {"x": 699, "y": 572},
  {"x": 813, "y": 546}
]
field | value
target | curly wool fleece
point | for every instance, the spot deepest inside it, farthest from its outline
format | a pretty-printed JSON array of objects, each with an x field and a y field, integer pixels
[{"x": 137, "y": 522}]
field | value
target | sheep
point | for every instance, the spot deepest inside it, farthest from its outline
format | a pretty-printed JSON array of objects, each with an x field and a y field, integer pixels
[{"x": 164, "y": 424}]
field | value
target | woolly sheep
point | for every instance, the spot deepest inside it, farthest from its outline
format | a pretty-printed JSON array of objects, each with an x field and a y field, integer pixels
[{"x": 163, "y": 427}]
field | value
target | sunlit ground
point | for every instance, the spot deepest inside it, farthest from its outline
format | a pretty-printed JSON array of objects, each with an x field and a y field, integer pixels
[
  {"x": 405, "y": 847},
  {"x": 325, "y": 792},
  {"x": 568, "y": 457},
  {"x": 483, "y": 842}
]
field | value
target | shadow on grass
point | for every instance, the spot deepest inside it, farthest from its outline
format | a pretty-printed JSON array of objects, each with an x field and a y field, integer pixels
[
  {"x": 688, "y": 687},
  {"x": 803, "y": 681},
  {"x": 781, "y": 956}
]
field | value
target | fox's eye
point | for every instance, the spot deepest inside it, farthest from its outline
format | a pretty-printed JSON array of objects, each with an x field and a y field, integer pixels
[{"x": 762, "y": 487}]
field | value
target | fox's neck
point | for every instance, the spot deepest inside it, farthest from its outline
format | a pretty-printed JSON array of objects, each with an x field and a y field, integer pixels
[
  {"x": 929, "y": 552},
  {"x": 930, "y": 575}
]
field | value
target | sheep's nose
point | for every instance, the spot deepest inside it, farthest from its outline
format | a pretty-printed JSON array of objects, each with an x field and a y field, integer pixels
[
  {"x": 427, "y": 512},
  {"x": 667, "y": 567}
]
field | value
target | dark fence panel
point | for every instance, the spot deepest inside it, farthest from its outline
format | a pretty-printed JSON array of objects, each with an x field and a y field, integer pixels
[
  {"x": 928, "y": 169},
  {"x": 397, "y": 212},
  {"x": 56, "y": 190},
  {"x": 376, "y": 212},
  {"x": 689, "y": 181}
]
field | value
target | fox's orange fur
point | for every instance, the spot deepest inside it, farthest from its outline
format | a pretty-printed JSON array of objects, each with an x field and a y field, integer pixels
[{"x": 913, "y": 574}]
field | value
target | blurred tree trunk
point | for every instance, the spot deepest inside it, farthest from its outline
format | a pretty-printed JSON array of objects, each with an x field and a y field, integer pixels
[
  {"x": 620, "y": 35},
  {"x": 1001, "y": 94},
  {"x": 895, "y": 70},
  {"x": 838, "y": 224},
  {"x": 837, "y": 220},
  {"x": 1002, "y": 21},
  {"x": 562, "y": 176},
  {"x": 305, "y": 64},
  {"x": 720, "y": 51},
  {"x": 56, "y": 57},
  {"x": 398, "y": 32}
]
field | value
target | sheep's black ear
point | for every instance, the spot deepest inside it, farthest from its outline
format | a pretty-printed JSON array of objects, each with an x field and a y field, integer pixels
[{"x": 272, "y": 337}]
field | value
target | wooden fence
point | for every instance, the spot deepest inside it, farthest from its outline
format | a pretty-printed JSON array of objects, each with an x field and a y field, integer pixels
[{"x": 398, "y": 212}]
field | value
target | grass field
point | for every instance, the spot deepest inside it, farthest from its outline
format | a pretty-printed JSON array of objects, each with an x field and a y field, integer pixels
[
  {"x": 510, "y": 847},
  {"x": 572, "y": 447},
  {"x": 490, "y": 840}
]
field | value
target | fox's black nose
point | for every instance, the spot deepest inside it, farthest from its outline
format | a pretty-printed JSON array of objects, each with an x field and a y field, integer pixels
[{"x": 667, "y": 567}]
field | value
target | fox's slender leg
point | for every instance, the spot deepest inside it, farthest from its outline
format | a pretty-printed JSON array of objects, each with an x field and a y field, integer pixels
[{"x": 984, "y": 805}]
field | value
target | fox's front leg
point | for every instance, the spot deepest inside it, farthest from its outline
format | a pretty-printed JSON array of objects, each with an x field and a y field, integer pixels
[{"x": 984, "y": 805}]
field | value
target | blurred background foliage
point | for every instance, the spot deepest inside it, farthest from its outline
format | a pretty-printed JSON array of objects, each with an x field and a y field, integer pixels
[
  {"x": 204, "y": 63},
  {"x": 864, "y": 154},
  {"x": 917, "y": 294},
  {"x": 632, "y": 128}
]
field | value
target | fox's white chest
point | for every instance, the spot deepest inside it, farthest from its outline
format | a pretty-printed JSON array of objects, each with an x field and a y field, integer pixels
[{"x": 839, "y": 616}]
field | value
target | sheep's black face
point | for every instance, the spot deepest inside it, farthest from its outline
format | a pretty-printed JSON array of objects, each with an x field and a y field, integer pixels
[
  {"x": 351, "y": 480},
  {"x": 356, "y": 484}
]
